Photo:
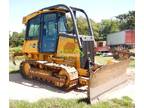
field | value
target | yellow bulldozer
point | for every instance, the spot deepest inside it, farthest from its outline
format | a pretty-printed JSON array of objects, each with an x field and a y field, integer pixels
[{"x": 61, "y": 56}]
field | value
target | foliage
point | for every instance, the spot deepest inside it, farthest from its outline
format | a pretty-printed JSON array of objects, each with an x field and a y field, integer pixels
[
  {"x": 16, "y": 39},
  {"x": 125, "y": 102},
  {"x": 103, "y": 60},
  {"x": 122, "y": 22},
  {"x": 15, "y": 49},
  {"x": 83, "y": 26},
  {"x": 132, "y": 63},
  {"x": 108, "y": 26},
  {"x": 127, "y": 20},
  {"x": 96, "y": 29}
]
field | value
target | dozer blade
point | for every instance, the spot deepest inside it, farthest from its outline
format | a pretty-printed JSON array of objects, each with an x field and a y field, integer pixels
[{"x": 106, "y": 78}]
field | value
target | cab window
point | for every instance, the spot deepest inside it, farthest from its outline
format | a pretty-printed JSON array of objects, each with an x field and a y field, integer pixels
[
  {"x": 50, "y": 25},
  {"x": 33, "y": 28},
  {"x": 61, "y": 23}
]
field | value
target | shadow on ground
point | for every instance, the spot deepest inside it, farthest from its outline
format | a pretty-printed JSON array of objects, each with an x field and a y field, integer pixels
[
  {"x": 85, "y": 100},
  {"x": 17, "y": 78}
]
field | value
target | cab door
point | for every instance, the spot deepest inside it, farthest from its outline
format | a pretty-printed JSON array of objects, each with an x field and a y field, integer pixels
[{"x": 49, "y": 33}]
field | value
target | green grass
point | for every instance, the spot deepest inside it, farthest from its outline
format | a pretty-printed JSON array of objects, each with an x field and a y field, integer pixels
[
  {"x": 125, "y": 102},
  {"x": 15, "y": 49},
  {"x": 14, "y": 68},
  {"x": 102, "y": 60},
  {"x": 132, "y": 63}
]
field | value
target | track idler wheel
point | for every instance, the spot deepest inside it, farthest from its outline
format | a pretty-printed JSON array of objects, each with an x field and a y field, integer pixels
[
  {"x": 64, "y": 78},
  {"x": 25, "y": 69},
  {"x": 63, "y": 75}
]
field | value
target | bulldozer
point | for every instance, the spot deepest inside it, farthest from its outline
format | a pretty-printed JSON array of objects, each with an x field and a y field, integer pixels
[{"x": 64, "y": 58}]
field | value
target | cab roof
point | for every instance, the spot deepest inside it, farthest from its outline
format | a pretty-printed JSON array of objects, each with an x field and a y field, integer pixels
[
  {"x": 36, "y": 13},
  {"x": 55, "y": 8}
]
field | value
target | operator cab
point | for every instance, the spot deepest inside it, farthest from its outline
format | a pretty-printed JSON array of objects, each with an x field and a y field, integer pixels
[{"x": 45, "y": 28}]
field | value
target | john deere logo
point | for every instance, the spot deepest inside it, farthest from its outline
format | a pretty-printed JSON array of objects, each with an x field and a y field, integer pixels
[{"x": 69, "y": 47}]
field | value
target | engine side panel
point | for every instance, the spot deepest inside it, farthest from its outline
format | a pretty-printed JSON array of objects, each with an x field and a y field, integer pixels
[{"x": 68, "y": 48}]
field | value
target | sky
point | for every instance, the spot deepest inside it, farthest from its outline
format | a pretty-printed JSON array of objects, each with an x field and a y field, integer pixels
[{"x": 96, "y": 9}]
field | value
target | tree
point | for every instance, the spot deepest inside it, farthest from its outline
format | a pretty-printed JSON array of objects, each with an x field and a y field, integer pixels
[
  {"x": 83, "y": 26},
  {"x": 108, "y": 26},
  {"x": 16, "y": 39},
  {"x": 96, "y": 28},
  {"x": 127, "y": 21}
]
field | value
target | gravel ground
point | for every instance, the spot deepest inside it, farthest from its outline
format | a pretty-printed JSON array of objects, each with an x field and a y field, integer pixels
[{"x": 21, "y": 89}]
